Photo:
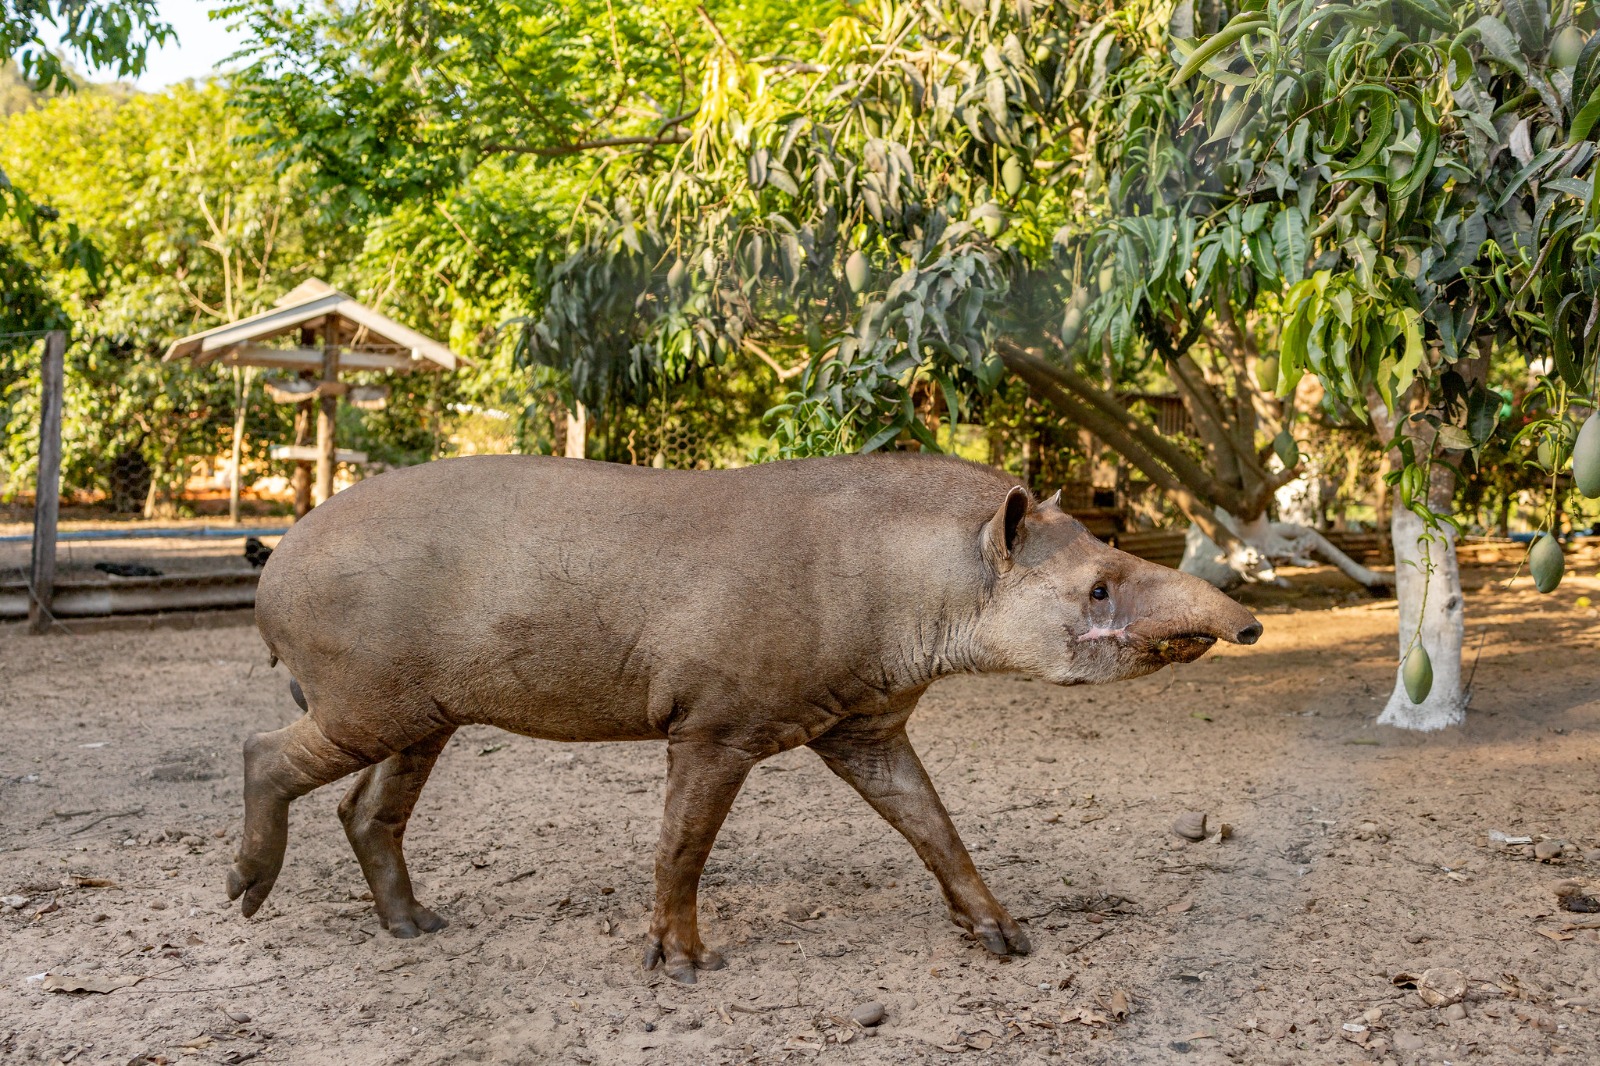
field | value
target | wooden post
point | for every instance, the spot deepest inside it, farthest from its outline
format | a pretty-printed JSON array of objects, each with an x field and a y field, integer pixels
[
  {"x": 302, "y": 436},
  {"x": 302, "y": 470},
  {"x": 47, "y": 491},
  {"x": 241, "y": 381},
  {"x": 327, "y": 410}
]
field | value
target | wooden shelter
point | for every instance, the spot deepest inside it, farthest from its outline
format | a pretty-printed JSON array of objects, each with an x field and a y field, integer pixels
[{"x": 328, "y": 334}]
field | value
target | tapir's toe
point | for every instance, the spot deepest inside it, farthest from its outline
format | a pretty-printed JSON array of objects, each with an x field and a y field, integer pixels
[
  {"x": 412, "y": 920},
  {"x": 253, "y": 886},
  {"x": 998, "y": 933},
  {"x": 681, "y": 965}
]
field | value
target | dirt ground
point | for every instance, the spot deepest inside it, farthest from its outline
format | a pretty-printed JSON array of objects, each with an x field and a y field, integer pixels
[{"x": 1357, "y": 854}]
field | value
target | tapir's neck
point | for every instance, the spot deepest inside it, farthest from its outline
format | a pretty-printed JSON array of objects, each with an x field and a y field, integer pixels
[{"x": 933, "y": 645}]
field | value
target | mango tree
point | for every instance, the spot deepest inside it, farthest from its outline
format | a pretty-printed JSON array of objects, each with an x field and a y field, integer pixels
[
  {"x": 916, "y": 206},
  {"x": 1444, "y": 149}
]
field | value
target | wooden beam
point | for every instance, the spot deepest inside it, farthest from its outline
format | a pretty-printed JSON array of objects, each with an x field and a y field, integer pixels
[
  {"x": 47, "y": 490},
  {"x": 305, "y": 453},
  {"x": 311, "y": 359}
]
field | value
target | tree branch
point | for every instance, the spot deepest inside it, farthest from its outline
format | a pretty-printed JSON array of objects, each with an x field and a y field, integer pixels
[
  {"x": 1186, "y": 469},
  {"x": 552, "y": 151},
  {"x": 1035, "y": 371}
]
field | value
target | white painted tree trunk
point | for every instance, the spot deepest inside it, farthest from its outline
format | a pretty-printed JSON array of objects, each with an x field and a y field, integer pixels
[
  {"x": 577, "y": 432},
  {"x": 1278, "y": 543},
  {"x": 1433, "y": 596}
]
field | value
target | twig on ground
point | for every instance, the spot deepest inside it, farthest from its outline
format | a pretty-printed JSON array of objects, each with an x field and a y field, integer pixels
[
  {"x": 104, "y": 817},
  {"x": 1074, "y": 950}
]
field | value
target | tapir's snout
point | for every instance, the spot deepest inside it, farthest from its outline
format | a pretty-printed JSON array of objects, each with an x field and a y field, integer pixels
[{"x": 1185, "y": 616}]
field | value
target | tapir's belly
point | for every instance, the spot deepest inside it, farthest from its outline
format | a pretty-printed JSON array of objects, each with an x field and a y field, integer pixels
[{"x": 589, "y": 699}]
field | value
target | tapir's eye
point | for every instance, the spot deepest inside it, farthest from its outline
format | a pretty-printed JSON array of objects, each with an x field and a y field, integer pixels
[{"x": 1100, "y": 591}]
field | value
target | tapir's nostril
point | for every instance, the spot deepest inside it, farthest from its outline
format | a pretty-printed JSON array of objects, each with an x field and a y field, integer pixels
[{"x": 1250, "y": 633}]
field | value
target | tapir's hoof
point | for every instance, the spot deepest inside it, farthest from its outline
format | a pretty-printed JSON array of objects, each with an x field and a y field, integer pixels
[
  {"x": 681, "y": 966},
  {"x": 999, "y": 935},
  {"x": 253, "y": 887},
  {"x": 413, "y": 922}
]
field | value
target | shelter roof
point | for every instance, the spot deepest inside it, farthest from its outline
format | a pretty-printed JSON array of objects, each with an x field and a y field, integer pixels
[{"x": 367, "y": 339}]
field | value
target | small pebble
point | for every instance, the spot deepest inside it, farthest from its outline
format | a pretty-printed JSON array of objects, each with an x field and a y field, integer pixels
[
  {"x": 1374, "y": 1016},
  {"x": 649, "y": 1027},
  {"x": 158, "y": 904},
  {"x": 868, "y": 1014},
  {"x": 1455, "y": 1012},
  {"x": 16, "y": 903},
  {"x": 1546, "y": 850}
]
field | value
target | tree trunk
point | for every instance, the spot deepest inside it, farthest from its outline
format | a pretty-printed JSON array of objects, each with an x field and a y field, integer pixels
[
  {"x": 1280, "y": 543},
  {"x": 576, "y": 444},
  {"x": 1428, "y": 582},
  {"x": 1429, "y": 597}
]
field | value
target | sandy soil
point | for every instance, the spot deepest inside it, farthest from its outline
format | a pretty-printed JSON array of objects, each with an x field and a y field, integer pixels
[{"x": 1357, "y": 854}]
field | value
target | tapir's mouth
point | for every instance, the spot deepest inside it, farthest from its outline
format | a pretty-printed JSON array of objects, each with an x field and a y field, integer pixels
[{"x": 1184, "y": 648}]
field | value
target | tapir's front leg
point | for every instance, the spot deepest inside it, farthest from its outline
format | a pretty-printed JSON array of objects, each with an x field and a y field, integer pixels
[
  {"x": 877, "y": 760},
  {"x": 702, "y": 780}
]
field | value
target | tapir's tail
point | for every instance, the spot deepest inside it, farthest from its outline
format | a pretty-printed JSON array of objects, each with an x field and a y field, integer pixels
[{"x": 298, "y": 694}]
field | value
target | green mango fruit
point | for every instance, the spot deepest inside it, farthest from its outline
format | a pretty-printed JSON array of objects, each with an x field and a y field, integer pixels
[
  {"x": 1546, "y": 563},
  {"x": 1564, "y": 50},
  {"x": 677, "y": 274},
  {"x": 1071, "y": 325},
  {"x": 1586, "y": 457},
  {"x": 1552, "y": 451},
  {"x": 1011, "y": 176},
  {"x": 1418, "y": 673},
  {"x": 857, "y": 271},
  {"x": 1267, "y": 374}
]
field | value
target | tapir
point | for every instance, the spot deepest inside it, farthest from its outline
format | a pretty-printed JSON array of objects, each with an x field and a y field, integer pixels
[{"x": 734, "y": 614}]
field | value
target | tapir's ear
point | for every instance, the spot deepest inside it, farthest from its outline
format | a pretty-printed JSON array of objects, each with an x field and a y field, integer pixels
[{"x": 1005, "y": 530}]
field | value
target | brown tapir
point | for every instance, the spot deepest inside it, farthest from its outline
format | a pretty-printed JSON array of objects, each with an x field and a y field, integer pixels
[{"x": 734, "y": 614}]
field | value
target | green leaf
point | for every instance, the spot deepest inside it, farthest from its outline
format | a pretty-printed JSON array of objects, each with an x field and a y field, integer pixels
[
  {"x": 1422, "y": 167},
  {"x": 1500, "y": 43},
  {"x": 1585, "y": 119},
  {"x": 1241, "y": 24},
  {"x": 1380, "y": 124},
  {"x": 1413, "y": 353},
  {"x": 1290, "y": 244},
  {"x": 1586, "y": 73},
  {"x": 1527, "y": 18},
  {"x": 1557, "y": 309}
]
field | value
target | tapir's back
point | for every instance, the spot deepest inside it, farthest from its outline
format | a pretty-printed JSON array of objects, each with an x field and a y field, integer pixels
[{"x": 582, "y": 600}]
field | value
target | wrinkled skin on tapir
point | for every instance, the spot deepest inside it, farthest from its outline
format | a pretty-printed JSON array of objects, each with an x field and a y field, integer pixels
[{"x": 733, "y": 614}]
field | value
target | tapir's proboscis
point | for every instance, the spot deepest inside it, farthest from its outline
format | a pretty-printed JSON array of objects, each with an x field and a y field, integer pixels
[{"x": 734, "y": 614}]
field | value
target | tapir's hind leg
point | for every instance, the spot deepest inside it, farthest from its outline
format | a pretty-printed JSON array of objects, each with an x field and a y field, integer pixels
[
  {"x": 279, "y": 767},
  {"x": 374, "y": 813}
]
